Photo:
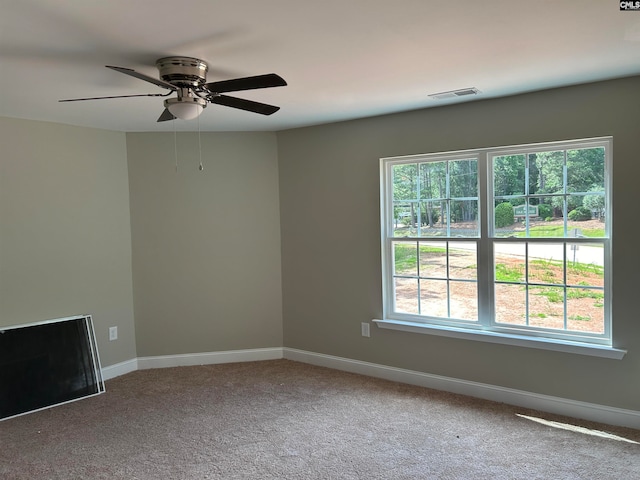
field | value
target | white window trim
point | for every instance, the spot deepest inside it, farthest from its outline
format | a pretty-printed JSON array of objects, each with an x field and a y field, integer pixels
[
  {"x": 479, "y": 332},
  {"x": 541, "y": 343}
]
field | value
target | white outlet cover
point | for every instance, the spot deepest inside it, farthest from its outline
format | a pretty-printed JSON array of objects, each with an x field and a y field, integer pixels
[{"x": 365, "y": 329}]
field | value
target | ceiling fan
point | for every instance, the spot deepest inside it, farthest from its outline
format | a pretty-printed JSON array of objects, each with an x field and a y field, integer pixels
[{"x": 187, "y": 78}]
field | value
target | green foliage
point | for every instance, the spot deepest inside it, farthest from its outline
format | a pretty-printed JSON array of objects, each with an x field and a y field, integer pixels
[
  {"x": 595, "y": 202},
  {"x": 573, "y": 201},
  {"x": 584, "y": 293},
  {"x": 509, "y": 274},
  {"x": 584, "y": 268},
  {"x": 552, "y": 294},
  {"x": 435, "y": 216},
  {"x": 585, "y": 168},
  {"x": 509, "y": 175},
  {"x": 404, "y": 182},
  {"x": 546, "y": 171},
  {"x": 580, "y": 214},
  {"x": 421, "y": 190},
  {"x": 504, "y": 215},
  {"x": 405, "y": 258},
  {"x": 545, "y": 211}
]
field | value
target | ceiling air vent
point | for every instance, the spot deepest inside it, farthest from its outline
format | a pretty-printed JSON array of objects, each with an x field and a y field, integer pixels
[{"x": 463, "y": 92}]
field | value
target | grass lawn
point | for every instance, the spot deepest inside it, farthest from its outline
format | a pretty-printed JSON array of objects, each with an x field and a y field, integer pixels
[{"x": 558, "y": 231}]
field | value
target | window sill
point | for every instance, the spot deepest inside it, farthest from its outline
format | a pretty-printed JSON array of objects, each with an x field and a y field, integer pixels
[{"x": 505, "y": 339}]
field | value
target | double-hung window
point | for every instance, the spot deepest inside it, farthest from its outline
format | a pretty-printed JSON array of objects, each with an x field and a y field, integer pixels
[{"x": 512, "y": 241}]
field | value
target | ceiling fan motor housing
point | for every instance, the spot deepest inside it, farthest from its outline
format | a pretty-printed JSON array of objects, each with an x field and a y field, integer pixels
[{"x": 183, "y": 71}]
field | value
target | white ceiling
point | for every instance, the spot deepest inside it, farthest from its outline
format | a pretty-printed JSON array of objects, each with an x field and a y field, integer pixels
[{"x": 343, "y": 59}]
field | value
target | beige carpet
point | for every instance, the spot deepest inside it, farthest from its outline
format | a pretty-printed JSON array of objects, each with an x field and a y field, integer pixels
[{"x": 286, "y": 420}]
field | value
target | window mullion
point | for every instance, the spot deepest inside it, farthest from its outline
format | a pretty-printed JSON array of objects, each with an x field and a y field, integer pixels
[
  {"x": 485, "y": 271},
  {"x": 418, "y": 275}
]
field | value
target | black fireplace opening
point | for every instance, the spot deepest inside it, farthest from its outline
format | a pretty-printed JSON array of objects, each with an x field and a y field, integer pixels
[{"x": 47, "y": 364}]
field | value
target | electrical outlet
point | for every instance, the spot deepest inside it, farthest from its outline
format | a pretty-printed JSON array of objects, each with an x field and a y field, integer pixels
[
  {"x": 365, "y": 329},
  {"x": 113, "y": 333}
]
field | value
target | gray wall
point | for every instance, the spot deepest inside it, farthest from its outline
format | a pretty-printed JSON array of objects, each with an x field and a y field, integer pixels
[
  {"x": 206, "y": 245},
  {"x": 329, "y": 197},
  {"x": 65, "y": 239}
]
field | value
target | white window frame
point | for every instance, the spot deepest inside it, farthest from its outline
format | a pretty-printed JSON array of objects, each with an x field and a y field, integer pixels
[{"x": 485, "y": 329}]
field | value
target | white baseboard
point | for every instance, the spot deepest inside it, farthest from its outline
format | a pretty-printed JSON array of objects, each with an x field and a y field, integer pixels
[
  {"x": 520, "y": 398},
  {"x": 118, "y": 369},
  {"x": 544, "y": 403},
  {"x": 210, "y": 358}
]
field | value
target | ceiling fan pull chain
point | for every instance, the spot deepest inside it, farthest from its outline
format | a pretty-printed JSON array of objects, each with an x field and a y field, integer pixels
[
  {"x": 175, "y": 143},
  {"x": 200, "y": 167}
]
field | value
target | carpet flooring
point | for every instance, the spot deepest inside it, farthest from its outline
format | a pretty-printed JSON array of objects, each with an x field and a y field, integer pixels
[{"x": 287, "y": 420}]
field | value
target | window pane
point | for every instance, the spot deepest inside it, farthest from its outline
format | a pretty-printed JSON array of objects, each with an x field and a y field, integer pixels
[
  {"x": 405, "y": 186},
  {"x": 433, "y": 298},
  {"x": 524, "y": 212},
  {"x": 433, "y": 180},
  {"x": 404, "y": 219},
  {"x": 463, "y": 179},
  {"x": 546, "y": 307},
  {"x": 508, "y": 175},
  {"x": 511, "y": 304},
  {"x": 585, "y": 170},
  {"x": 405, "y": 258},
  {"x": 550, "y": 220},
  {"x": 593, "y": 229},
  {"x": 433, "y": 222},
  {"x": 595, "y": 203},
  {"x": 431, "y": 217},
  {"x": 441, "y": 229},
  {"x": 544, "y": 211},
  {"x": 585, "y": 310},
  {"x": 582, "y": 219},
  {"x": 433, "y": 259},
  {"x": 585, "y": 264},
  {"x": 463, "y": 260},
  {"x": 509, "y": 262},
  {"x": 431, "y": 213},
  {"x": 546, "y": 263},
  {"x": 406, "y": 295},
  {"x": 464, "y": 218},
  {"x": 504, "y": 220},
  {"x": 464, "y": 300},
  {"x": 546, "y": 172}
]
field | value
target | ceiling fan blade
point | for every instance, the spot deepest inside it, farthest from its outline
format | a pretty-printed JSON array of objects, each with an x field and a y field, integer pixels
[
  {"x": 242, "y": 104},
  {"x": 142, "y": 76},
  {"x": 247, "y": 83},
  {"x": 166, "y": 116},
  {"x": 116, "y": 96}
]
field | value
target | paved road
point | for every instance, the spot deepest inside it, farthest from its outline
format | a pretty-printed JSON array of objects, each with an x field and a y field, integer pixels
[{"x": 583, "y": 254}]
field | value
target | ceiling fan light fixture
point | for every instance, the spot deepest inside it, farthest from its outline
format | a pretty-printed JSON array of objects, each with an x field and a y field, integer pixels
[{"x": 185, "y": 108}]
